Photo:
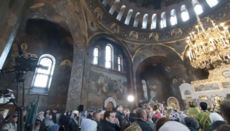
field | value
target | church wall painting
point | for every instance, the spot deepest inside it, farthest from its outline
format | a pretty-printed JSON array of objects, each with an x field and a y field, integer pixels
[
  {"x": 226, "y": 85},
  {"x": 207, "y": 87},
  {"x": 103, "y": 84}
]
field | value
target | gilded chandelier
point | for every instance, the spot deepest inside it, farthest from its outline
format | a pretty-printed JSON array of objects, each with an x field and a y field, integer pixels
[{"x": 209, "y": 47}]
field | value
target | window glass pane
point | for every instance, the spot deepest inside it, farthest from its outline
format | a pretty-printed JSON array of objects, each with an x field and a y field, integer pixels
[
  {"x": 212, "y": 3},
  {"x": 198, "y": 9},
  {"x": 96, "y": 51},
  {"x": 95, "y": 60},
  {"x": 108, "y": 57},
  {"x": 184, "y": 15},
  {"x": 173, "y": 20},
  {"x": 41, "y": 80},
  {"x": 108, "y": 64},
  {"x": 45, "y": 62},
  {"x": 119, "y": 60},
  {"x": 119, "y": 67}
]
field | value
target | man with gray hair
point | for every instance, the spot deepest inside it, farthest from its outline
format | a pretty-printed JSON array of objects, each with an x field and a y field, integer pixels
[
  {"x": 149, "y": 120},
  {"x": 120, "y": 115}
]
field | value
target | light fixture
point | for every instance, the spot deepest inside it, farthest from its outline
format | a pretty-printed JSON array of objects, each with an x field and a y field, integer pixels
[
  {"x": 209, "y": 47},
  {"x": 130, "y": 98}
]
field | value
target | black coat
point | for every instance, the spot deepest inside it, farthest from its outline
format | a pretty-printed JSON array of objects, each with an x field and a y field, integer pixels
[
  {"x": 120, "y": 117},
  {"x": 144, "y": 126},
  {"x": 132, "y": 117},
  {"x": 54, "y": 117},
  {"x": 107, "y": 126},
  {"x": 216, "y": 124},
  {"x": 63, "y": 120},
  {"x": 73, "y": 126}
]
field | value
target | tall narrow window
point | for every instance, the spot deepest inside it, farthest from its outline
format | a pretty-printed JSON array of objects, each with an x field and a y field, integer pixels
[
  {"x": 145, "y": 21},
  {"x": 184, "y": 13},
  {"x": 128, "y": 17},
  {"x": 95, "y": 56},
  {"x": 121, "y": 12},
  {"x": 43, "y": 77},
  {"x": 113, "y": 8},
  {"x": 173, "y": 18},
  {"x": 105, "y": 2},
  {"x": 119, "y": 62},
  {"x": 197, "y": 7},
  {"x": 136, "y": 21},
  {"x": 163, "y": 20},
  {"x": 212, "y": 3},
  {"x": 108, "y": 56},
  {"x": 154, "y": 21}
]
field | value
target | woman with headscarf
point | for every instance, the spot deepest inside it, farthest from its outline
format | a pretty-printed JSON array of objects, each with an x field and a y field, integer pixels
[
  {"x": 173, "y": 126},
  {"x": 160, "y": 122},
  {"x": 192, "y": 123}
]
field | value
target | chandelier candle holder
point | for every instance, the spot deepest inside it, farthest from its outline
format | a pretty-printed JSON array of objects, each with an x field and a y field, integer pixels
[{"x": 209, "y": 47}]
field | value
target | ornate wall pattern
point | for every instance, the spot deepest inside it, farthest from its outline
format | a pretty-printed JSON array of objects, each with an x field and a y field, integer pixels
[{"x": 113, "y": 26}]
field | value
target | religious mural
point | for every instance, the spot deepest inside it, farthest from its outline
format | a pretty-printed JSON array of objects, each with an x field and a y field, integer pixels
[
  {"x": 154, "y": 90},
  {"x": 207, "y": 87},
  {"x": 226, "y": 84},
  {"x": 104, "y": 85}
]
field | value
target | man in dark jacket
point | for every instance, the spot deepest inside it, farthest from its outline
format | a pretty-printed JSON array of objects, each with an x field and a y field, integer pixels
[
  {"x": 133, "y": 116},
  {"x": 109, "y": 122},
  {"x": 141, "y": 120},
  {"x": 54, "y": 118},
  {"x": 120, "y": 115}
]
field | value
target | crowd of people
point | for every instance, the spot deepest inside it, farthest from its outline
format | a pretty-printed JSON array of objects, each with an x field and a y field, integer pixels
[{"x": 139, "y": 119}]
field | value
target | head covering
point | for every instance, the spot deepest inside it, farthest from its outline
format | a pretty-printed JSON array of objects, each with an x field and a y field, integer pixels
[
  {"x": 182, "y": 116},
  {"x": 173, "y": 126},
  {"x": 76, "y": 112},
  {"x": 102, "y": 112},
  {"x": 88, "y": 125},
  {"x": 191, "y": 122},
  {"x": 175, "y": 116},
  {"x": 215, "y": 117},
  {"x": 54, "y": 127},
  {"x": 204, "y": 106}
]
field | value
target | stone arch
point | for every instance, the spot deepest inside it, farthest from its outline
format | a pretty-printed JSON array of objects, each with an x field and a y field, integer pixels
[
  {"x": 177, "y": 104},
  {"x": 110, "y": 99}
]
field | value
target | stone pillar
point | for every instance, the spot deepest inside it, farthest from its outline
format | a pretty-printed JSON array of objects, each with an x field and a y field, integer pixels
[
  {"x": 78, "y": 30},
  {"x": 10, "y": 16}
]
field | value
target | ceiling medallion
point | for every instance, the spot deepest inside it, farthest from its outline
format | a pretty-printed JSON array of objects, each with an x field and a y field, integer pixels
[{"x": 209, "y": 47}]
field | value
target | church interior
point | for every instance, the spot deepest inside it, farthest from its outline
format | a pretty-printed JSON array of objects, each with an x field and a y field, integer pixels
[{"x": 99, "y": 54}]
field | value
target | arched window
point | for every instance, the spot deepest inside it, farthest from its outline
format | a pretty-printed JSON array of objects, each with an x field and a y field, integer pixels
[
  {"x": 113, "y": 8},
  {"x": 163, "y": 20},
  {"x": 197, "y": 7},
  {"x": 108, "y": 56},
  {"x": 136, "y": 21},
  {"x": 105, "y": 2},
  {"x": 184, "y": 13},
  {"x": 173, "y": 18},
  {"x": 95, "y": 55},
  {"x": 154, "y": 21},
  {"x": 145, "y": 21},
  {"x": 128, "y": 17},
  {"x": 43, "y": 77},
  {"x": 121, "y": 12},
  {"x": 119, "y": 63},
  {"x": 212, "y": 3}
]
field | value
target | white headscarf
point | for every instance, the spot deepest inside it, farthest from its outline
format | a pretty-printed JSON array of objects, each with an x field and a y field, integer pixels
[{"x": 173, "y": 126}]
